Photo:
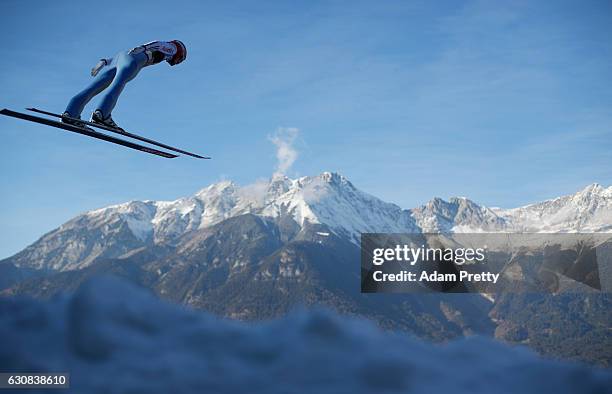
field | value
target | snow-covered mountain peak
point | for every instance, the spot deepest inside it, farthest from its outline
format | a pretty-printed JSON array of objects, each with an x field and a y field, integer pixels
[
  {"x": 594, "y": 191},
  {"x": 335, "y": 179},
  {"x": 588, "y": 210},
  {"x": 130, "y": 207},
  {"x": 596, "y": 188},
  {"x": 459, "y": 214},
  {"x": 221, "y": 187},
  {"x": 278, "y": 185},
  {"x": 329, "y": 199}
]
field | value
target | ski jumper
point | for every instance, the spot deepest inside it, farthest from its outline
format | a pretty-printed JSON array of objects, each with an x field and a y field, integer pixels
[{"x": 111, "y": 75}]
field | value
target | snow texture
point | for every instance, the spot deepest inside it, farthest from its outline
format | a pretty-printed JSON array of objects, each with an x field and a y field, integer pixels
[
  {"x": 115, "y": 338},
  {"x": 332, "y": 200},
  {"x": 328, "y": 199}
]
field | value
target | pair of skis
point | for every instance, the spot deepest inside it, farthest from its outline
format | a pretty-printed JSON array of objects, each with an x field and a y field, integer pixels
[{"x": 101, "y": 136}]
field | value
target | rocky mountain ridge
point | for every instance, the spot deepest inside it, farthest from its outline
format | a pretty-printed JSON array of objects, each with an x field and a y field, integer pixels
[{"x": 328, "y": 199}]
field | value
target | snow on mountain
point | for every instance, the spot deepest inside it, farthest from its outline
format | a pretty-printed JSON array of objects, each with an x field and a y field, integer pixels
[
  {"x": 328, "y": 199},
  {"x": 110, "y": 328},
  {"x": 589, "y": 210},
  {"x": 138, "y": 216},
  {"x": 457, "y": 215},
  {"x": 332, "y": 200}
]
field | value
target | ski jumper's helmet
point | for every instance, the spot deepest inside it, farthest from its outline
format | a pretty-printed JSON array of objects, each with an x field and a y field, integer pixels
[{"x": 181, "y": 53}]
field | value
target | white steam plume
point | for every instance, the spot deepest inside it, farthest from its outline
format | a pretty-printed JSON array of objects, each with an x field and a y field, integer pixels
[{"x": 286, "y": 154}]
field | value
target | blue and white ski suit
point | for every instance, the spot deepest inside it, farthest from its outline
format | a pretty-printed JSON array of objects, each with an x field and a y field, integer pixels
[{"x": 111, "y": 75}]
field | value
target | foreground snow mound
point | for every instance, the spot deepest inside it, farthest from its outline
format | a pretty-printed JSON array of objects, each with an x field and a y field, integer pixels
[{"x": 115, "y": 338}]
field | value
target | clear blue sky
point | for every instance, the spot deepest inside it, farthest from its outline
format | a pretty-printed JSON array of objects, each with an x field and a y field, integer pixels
[{"x": 504, "y": 102}]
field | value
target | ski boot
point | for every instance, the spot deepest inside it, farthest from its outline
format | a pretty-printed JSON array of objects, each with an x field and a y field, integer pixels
[
  {"x": 73, "y": 121},
  {"x": 98, "y": 118}
]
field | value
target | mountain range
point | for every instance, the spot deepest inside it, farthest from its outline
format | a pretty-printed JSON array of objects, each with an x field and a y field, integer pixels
[
  {"x": 329, "y": 200},
  {"x": 258, "y": 251}
]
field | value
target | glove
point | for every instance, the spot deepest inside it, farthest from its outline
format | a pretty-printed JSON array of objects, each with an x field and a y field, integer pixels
[{"x": 98, "y": 67}]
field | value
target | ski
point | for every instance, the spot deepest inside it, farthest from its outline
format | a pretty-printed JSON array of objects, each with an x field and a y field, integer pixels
[
  {"x": 88, "y": 132},
  {"x": 124, "y": 133}
]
